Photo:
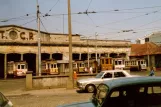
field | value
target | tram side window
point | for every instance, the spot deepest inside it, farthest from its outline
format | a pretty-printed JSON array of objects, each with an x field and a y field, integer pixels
[
  {"x": 107, "y": 61},
  {"x": 19, "y": 67},
  {"x": 119, "y": 62},
  {"x": 115, "y": 62},
  {"x": 52, "y": 66},
  {"x": 126, "y": 63},
  {"x": 22, "y": 66},
  {"x": 55, "y": 66},
  {"x": 103, "y": 61},
  {"x": 48, "y": 66}
]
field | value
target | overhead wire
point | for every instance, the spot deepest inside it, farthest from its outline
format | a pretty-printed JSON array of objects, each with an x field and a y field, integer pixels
[
  {"x": 131, "y": 18},
  {"x": 114, "y": 10},
  {"x": 43, "y": 25},
  {"x": 52, "y": 8},
  {"x": 87, "y": 13},
  {"x": 17, "y": 18},
  {"x": 144, "y": 24},
  {"x": 119, "y": 20},
  {"x": 89, "y": 5},
  {"x": 29, "y": 22}
]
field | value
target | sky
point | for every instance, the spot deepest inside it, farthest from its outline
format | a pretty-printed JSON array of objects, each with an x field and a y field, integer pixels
[{"x": 108, "y": 19}]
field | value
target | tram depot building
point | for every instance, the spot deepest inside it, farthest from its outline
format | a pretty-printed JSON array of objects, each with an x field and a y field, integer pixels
[{"x": 20, "y": 43}]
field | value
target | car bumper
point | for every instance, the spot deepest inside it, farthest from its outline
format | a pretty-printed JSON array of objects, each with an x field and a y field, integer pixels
[{"x": 80, "y": 86}]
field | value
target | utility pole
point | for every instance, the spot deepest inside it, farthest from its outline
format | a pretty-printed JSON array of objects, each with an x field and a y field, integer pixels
[
  {"x": 148, "y": 65},
  {"x": 88, "y": 50},
  {"x": 63, "y": 23},
  {"x": 39, "y": 40},
  {"x": 96, "y": 45},
  {"x": 96, "y": 49},
  {"x": 70, "y": 82}
]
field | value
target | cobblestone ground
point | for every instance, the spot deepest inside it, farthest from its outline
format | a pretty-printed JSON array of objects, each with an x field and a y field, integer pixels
[
  {"x": 49, "y": 99},
  {"x": 14, "y": 89}
]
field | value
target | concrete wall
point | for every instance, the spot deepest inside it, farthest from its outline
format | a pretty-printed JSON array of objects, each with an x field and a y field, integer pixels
[{"x": 54, "y": 81}]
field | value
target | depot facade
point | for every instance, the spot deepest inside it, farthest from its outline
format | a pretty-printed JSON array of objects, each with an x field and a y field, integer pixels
[{"x": 20, "y": 43}]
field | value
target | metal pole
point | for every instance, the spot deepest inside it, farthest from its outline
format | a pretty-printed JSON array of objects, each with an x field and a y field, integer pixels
[
  {"x": 96, "y": 45},
  {"x": 148, "y": 56},
  {"x": 88, "y": 51},
  {"x": 63, "y": 23},
  {"x": 96, "y": 50},
  {"x": 70, "y": 83},
  {"x": 39, "y": 40}
]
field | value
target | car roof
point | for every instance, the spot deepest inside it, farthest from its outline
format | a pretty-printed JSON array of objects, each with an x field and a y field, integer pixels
[
  {"x": 112, "y": 70},
  {"x": 128, "y": 81}
]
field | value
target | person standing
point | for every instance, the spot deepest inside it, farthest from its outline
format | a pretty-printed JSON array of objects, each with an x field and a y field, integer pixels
[
  {"x": 91, "y": 70},
  {"x": 152, "y": 72},
  {"x": 85, "y": 69}
]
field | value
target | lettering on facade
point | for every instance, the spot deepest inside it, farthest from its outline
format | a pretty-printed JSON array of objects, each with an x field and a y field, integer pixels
[
  {"x": 2, "y": 35},
  {"x": 13, "y": 34},
  {"x": 31, "y": 36},
  {"x": 22, "y": 35}
]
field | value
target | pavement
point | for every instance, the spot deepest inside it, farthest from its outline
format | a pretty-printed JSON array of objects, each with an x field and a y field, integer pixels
[
  {"x": 40, "y": 92},
  {"x": 16, "y": 87}
]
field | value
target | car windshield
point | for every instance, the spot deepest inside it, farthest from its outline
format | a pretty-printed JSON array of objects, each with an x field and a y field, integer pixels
[
  {"x": 100, "y": 94},
  {"x": 99, "y": 75}
]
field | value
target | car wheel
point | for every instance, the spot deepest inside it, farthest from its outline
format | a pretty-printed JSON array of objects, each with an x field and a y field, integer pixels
[{"x": 90, "y": 88}]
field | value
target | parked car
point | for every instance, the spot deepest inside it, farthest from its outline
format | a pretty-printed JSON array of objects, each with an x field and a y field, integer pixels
[
  {"x": 4, "y": 102},
  {"x": 90, "y": 84},
  {"x": 125, "y": 92}
]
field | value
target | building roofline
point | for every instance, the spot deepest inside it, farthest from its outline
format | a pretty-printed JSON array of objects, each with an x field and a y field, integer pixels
[{"x": 36, "y": 30}]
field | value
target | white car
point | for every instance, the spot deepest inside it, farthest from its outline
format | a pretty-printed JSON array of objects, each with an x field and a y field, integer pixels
[{"x": 90, "y": 84}]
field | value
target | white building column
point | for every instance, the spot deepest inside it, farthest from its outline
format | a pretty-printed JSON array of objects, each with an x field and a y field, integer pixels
[
  {"x": 99, "y": 55},
  {"x": 80, "y": 56},
  {"x": 21, "y": 57},
  {"x": 50, "y": 57}
]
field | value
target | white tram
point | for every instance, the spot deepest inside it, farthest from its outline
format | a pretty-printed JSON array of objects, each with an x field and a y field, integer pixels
[{"x": 136, "y": 64}]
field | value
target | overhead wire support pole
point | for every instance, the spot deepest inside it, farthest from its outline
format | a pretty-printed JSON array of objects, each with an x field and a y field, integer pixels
[
  {"x": 70, "y": 83},
  {"x": 96, "y": 48},
  {"x": 88, "y": 50},
  {"x": 96, "y": 45},
  {"x": 39, "y": 40}
]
